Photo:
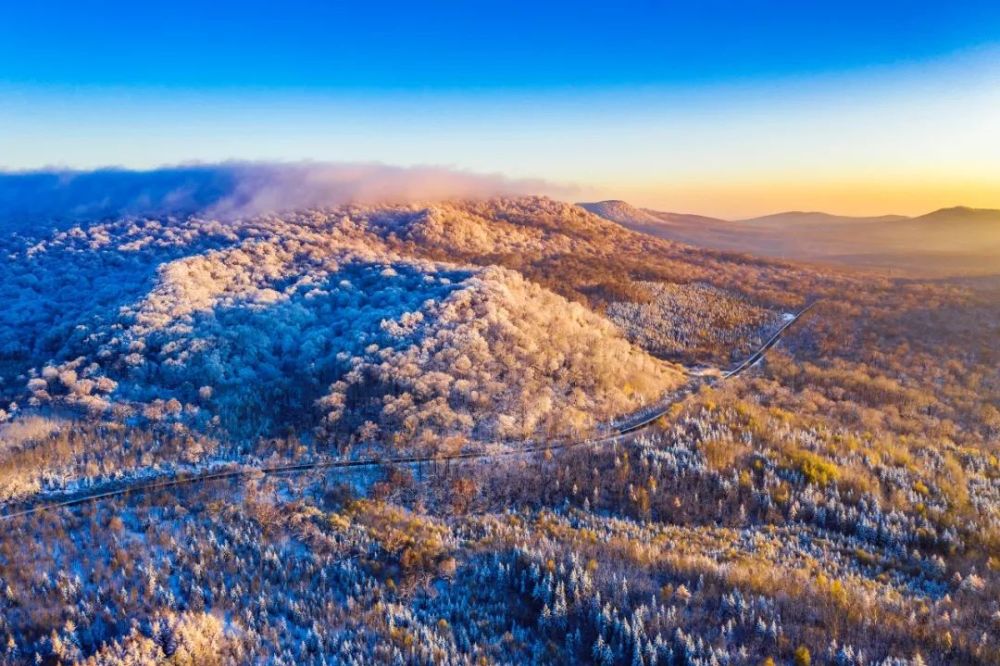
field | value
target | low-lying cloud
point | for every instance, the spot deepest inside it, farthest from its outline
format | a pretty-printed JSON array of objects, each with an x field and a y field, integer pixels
[{"x": 234, "y": 189}]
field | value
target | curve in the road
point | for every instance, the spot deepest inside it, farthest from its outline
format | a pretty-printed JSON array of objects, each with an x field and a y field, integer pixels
[{"x": 620, "y": 432}]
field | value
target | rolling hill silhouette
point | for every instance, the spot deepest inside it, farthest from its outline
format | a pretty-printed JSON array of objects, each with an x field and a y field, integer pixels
[{"x": 947, "y": 242}]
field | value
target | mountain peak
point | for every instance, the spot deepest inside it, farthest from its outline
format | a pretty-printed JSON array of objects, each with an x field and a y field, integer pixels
[
  {"x": 620, "y": 212},
  {"x": 961, "y": 214}
]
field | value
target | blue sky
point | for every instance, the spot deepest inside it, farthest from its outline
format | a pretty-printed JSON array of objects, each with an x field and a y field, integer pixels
[{"x": 719, "y": 107}]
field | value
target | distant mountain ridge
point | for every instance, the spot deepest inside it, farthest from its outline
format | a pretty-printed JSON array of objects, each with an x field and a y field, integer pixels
[
  {"x": 949, "y": 241},
  {"x": 611, "y": 209},
  {"x": 818, "y": 217}
]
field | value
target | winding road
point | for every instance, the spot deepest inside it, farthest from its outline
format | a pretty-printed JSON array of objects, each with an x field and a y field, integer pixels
[{"x": 180, "y": 479}]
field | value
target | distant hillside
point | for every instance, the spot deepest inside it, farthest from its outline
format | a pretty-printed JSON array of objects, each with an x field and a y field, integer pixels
[
  {"x": 800, "y": 218},
  {"x": 625, "y": 213},
  {"x": 688, "y": 228},
  {"x": 948, "y": 242},
  {"x": 962, "y": 215},
  {"x": 621, "y": 212}
]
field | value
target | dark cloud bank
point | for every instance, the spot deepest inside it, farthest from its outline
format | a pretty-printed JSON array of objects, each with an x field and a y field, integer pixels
[{"x": 235, "y": 189}]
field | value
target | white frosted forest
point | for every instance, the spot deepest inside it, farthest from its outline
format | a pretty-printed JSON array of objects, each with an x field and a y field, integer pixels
[
  {"x": 318, "y": 321},
  {"x": 835, "y": 503}
]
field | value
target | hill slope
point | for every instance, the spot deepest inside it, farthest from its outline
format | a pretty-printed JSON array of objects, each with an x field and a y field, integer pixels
[{"x": 240, "y": 328}]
